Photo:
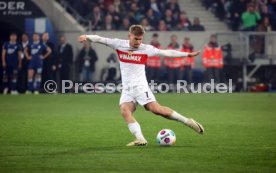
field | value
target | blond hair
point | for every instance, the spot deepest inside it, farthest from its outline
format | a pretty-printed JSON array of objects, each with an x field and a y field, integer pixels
[{"x": 136, "y": 30}]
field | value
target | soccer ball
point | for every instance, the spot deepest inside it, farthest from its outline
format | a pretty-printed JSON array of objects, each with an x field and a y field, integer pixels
[{"x": 166, "y": 137}]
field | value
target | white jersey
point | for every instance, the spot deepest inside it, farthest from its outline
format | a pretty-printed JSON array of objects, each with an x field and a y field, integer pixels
[{"x": 132, "y": 61}]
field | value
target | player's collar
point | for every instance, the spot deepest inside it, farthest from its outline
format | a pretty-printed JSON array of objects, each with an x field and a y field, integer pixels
[{"x": 134, "y": 48}]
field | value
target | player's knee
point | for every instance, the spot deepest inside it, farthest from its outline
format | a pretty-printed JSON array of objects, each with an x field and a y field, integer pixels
[{"x": 124, "y": 110}]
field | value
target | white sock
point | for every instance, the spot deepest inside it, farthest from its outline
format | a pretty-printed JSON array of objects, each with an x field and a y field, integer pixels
[
  {"x": 178, "y": 117},
  {"x": 135, "y": 129}
]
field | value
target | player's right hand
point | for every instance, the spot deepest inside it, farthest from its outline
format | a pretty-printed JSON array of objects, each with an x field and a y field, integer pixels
[
  {"x": 193, "y": 54},
  {"x": 82, "y": 38},
  {"x": 4, "y": 65}
]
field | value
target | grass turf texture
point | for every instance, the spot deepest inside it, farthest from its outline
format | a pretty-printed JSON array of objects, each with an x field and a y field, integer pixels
[{"x": 85, "y": 133}]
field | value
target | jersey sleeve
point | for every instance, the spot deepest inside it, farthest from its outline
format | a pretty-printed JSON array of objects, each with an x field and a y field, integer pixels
[
  {"x": 114, "y": 43},
  {"x": 152, "y": 51}
]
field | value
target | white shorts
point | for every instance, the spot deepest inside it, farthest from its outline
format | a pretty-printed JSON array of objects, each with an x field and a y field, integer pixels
[{"x": 140, "y": 96}]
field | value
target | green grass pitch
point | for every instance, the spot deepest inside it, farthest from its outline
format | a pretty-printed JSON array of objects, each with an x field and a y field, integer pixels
[{"x": 86, "y": 133}]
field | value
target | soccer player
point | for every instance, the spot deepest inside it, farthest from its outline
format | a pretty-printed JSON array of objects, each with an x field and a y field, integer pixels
[
  {"x": 11, "y": 62},
  {"x": 133, "y": 55},
  {"x": 35, "y": 53}
]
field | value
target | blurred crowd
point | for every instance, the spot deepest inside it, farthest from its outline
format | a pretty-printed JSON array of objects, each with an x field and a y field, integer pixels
[
  {"x": 245, "y": 15},
  {"x": 166, "y": 15},
  {"x": 153, "y": 15}
]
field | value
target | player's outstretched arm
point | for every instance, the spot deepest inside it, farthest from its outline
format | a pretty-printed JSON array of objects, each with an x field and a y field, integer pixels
[
  {"x": 175, "y": 53},
  {"x": 92, "y": 38}
]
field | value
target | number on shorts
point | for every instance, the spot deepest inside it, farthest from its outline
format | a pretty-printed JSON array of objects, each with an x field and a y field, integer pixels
[{"x": 147, "y": 94}]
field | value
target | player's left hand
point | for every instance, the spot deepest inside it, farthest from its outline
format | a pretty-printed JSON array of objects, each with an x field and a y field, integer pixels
[{"x": 193, "y": 54}]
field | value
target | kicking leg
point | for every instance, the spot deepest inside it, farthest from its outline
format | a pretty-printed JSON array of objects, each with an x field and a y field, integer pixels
[
  {"x": 168, "y": 113},
  {"x": 127, "y": 110}
]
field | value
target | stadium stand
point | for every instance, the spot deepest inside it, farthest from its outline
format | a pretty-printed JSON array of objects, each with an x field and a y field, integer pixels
[
  {"x": 235, "y": 13},
  {"x": 151, "y": 14}
]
